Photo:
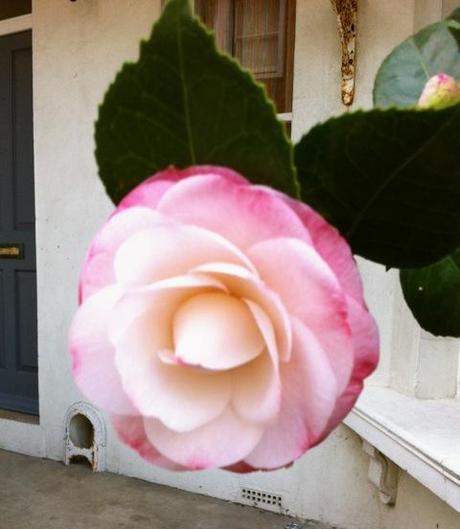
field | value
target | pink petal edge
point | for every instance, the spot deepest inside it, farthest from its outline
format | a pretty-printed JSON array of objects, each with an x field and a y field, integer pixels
[
  {"x": 149, "y": 192},
  {"x": 131, "y": 432}
]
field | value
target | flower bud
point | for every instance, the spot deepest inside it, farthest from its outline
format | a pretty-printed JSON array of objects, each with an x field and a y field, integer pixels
[{"x": 441, "y": 91}]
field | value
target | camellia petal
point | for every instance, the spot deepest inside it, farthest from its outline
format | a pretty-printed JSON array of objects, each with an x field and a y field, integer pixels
[
  {"x": 266, "y": 329},
  {"x": 94, "y": 368},
  {"x": 98, "y": 270},
  {"x": 124, "y": 224},
  {"x": 241, "y": 283},
  {"x": 97, "y": 273},
  {"x": 332, "y": 247},
  {"x": 130, "y": 430},
  {"x": 219, "y": 443},
  {"x": 182, "y": 398},
  {"x": 170, "y": 250},
  {"x": 365, "y": 338},
  {"x": 308, "y": 400},
  {"x": 257, "y": 391},
  {"x": 149, "y": 193},
  {"x": 216, "y": 331},
  {"x": 312, "y": 294},
  {"x": 366, "y": 344},
  {"x": 164, "y": 296},
  {"x": 242, "y": 214}
]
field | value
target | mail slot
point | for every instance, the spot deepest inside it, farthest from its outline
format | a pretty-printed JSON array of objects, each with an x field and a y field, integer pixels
[{"x": 11, "y": 251}]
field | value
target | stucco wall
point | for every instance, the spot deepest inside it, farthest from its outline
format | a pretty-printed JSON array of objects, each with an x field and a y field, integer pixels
[{"x": 78, "y": 47}]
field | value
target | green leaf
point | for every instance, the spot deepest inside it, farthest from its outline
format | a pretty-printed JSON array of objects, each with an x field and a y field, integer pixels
[
  {"x": 433, "y": 295},
  {"x": 184, "y": 103},
  {"x": 389, "y": 180},
  {"x": 432, "y": 292},
  {"x": 404, "y": 73}
]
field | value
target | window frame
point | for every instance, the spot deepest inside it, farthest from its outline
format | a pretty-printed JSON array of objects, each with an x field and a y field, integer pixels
[
  {"x": 9, "y": 26},
  {"x": 285, "y": 117}
]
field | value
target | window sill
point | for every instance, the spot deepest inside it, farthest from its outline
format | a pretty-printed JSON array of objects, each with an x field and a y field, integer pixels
[
  {"x": 285, "y": 116},
  {"x": 421, "y": 437},
  {"x": 15, "y": 25}
]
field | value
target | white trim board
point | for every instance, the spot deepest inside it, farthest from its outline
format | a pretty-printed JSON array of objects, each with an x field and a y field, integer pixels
[
  {"x": 15, "y": 25},
  {"x": 21, "y": 437},
  {"x": 284, "y": 116},
  {"x": 421, "y": 436}
]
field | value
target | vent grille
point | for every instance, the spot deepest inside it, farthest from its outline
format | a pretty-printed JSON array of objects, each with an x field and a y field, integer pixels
[{"x": 260, "y": 498}]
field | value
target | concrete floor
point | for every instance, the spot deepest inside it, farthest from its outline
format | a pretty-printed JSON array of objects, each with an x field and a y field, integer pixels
[{"x": 42, "y": 494}]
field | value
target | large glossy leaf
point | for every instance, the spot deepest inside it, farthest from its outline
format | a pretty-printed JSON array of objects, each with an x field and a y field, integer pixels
[
  {"x": 184, "y": 103},
  {"x": 389, "y": 180},
  {"x": 433, "y": 292},
  {"x": 404, "y": 73},
  {"x": 433, "y": 295}
]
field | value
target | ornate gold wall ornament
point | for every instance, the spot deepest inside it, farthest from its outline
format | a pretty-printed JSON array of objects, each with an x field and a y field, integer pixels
[{"x": 347, "y": 18}]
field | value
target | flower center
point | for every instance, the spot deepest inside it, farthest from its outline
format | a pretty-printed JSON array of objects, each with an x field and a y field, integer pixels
[{"x": 216, "y": 331}]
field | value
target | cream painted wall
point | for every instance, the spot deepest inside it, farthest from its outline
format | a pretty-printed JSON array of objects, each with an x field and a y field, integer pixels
[
  {"x": 449, "y": 5},
  {"x": 78, "y": 47}
]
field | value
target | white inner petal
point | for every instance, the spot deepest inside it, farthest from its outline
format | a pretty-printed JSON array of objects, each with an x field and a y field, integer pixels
[
  {"x": 216, "y": 331},
  {"x": 183, "y": 398},
  {"x": 164, "y": 251},
  {"x": 164, "y": 296},
  {"x": 242, "y": 284}
]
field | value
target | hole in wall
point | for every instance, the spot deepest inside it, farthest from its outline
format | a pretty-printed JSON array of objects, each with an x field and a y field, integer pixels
[
  {"x": 81, "y": 431},
  {"x": 81, "y": 461}
]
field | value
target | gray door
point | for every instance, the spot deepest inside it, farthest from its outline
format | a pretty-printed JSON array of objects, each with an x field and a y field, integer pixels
[{"x": 18, "y": 292}]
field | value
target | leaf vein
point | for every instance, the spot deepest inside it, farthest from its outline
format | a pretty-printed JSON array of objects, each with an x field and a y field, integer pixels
[{"x": 395, "y": 174}]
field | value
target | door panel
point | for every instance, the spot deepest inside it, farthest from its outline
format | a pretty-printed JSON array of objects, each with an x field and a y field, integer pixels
[{"x": 18, "y": 294}]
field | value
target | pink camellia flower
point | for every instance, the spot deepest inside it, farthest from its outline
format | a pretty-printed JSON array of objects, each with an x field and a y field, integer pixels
[
  {"x": 440, "y": 91},
  {"x": 222, "y": 324}
]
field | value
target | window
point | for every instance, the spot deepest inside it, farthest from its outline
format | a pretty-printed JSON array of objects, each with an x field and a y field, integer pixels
[
  {"x": 14, "y": 8},
  {"x": 260, "y": 34}
]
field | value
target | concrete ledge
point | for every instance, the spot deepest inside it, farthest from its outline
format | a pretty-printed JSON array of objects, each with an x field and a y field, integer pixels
[{"x": 420, "y": 436}]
